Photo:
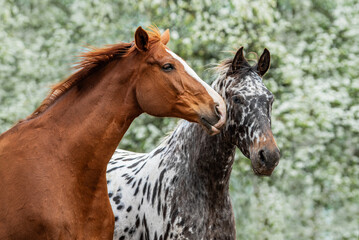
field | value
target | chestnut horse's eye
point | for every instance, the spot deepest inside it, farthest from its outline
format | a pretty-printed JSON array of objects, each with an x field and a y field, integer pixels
[{"x": 168, "y": 67}]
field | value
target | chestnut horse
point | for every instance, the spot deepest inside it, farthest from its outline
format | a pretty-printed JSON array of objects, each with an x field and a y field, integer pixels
[{"x": 53, "y": 163}]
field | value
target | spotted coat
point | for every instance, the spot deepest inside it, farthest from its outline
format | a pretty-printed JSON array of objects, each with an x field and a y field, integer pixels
[{"x": 180, "y": 189}]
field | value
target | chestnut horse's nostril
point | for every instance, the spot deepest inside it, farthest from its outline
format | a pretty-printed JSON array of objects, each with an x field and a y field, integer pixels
[
  {"x": 217, "y": 111},
  {"x": 220, "y": 113}
]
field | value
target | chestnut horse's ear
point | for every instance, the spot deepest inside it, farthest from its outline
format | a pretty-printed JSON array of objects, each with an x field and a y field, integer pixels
[
  {"x": 165, "y": 37},
  {"x": 239, "y": 61},
  {"x": 264, "y": 62},
  {"x": 141, "y": 39}
]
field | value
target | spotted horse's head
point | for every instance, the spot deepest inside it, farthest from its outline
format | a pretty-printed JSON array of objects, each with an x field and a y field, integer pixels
[{"x": 249, "y": 106}]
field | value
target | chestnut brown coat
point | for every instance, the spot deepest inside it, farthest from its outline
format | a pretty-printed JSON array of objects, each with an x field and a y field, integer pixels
[{"x": 53, "y": 164}]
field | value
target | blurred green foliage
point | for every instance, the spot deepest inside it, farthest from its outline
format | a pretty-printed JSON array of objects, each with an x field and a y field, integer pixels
[{"x": 314, "y": 192}]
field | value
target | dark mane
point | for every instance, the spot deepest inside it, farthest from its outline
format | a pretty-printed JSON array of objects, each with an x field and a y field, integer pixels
[{"x": 91, "y": 61}]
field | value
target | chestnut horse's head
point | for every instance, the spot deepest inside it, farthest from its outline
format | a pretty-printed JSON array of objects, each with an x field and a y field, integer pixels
[
  {"x": 167, "y": 86},
  {"x": 249, "y": 106}
]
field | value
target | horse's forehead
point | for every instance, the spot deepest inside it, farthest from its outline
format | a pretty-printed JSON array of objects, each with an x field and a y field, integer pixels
[
  {"x": 252, "y": 85},
  {"x": 182, "y": 62},
  {"x": 159, "y": 51},
  {"x": 194, "y": 75}
]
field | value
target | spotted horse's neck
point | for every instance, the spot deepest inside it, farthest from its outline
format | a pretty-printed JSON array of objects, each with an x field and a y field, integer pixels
[{"x": 178, "y": 190}]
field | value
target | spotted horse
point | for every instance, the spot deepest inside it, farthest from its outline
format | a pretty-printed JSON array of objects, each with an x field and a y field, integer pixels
[{"x": 180, "y": 190}]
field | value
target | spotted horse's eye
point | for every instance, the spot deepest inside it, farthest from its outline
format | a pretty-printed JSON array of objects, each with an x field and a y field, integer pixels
[
  {"x": 238, "y": 99},
  {"x": 168, "y": 67}
]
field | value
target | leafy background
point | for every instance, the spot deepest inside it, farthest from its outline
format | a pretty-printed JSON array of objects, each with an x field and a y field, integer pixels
[{"x": 314, "y": 192}]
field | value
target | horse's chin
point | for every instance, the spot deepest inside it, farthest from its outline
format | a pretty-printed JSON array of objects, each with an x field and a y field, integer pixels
[
  {"x": 262, "y": 171},
  {"x": 210, "y": 129}
]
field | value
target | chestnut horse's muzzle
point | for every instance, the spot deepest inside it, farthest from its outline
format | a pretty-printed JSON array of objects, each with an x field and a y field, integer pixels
[{"x": 214, "y": 122}]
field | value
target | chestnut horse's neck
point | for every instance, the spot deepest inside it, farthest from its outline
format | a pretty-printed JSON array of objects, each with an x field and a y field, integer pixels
[{"x": 92, "y": 116}]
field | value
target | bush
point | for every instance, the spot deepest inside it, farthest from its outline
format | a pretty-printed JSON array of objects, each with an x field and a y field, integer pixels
[{"x": 314, "y": 192}]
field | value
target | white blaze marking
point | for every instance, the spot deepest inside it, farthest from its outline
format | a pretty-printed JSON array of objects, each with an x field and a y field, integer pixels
[{"x": 193, "y": 74}]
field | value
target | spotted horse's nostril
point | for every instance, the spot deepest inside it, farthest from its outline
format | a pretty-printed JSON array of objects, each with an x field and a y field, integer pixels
[
  {"x": 262, "y": 157},
  {"x": 268, "y": 158}
]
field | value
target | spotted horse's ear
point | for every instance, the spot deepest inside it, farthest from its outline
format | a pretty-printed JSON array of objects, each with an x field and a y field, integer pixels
[
  {"x": 238, "y": 62},
  {"x": 263, "y": 63}
]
